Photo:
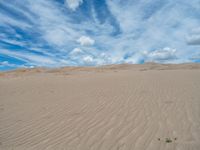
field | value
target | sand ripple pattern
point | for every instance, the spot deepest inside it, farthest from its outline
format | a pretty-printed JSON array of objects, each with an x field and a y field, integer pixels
[{"x": 124, "y": 110}]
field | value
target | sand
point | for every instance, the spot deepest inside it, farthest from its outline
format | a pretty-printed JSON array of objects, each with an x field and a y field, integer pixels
[{"x": 115, "y": 107}]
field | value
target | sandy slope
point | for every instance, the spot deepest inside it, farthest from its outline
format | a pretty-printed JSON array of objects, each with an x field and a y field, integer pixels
[{"x": 122, "y": 107}]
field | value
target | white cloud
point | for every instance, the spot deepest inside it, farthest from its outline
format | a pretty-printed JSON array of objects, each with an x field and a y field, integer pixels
[
  {"x": 77, "y": 55},
  {"x": 5, "y": 21},
  {"x": 3, "y": 63},
  {"x": 135, "y": 58},
  {"x": 82, "y": 57},
  {"x": 56, "y": 37},
  {"x": 103, "y": 59},
  {"x": 6, "y": 64},
  {"x": 85, "y": 41},
  {"x": 55, "y": 31},
  {"x": 14, "y": 42},
  {"x": 12, "y": 65},
  {"x": 30, "y": 57},
  {"x": 54, "y": 26},
  {"x": 76, "y": 51},
  {"x": 88, "y": 60},
  {"x": 140, "y": 33},
  {"x": 73, "y": 4},
  {"x": 162, "y": 56}
]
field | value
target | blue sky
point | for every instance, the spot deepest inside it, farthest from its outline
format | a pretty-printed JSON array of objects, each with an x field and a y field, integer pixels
[{"x": 54, "y": 33}]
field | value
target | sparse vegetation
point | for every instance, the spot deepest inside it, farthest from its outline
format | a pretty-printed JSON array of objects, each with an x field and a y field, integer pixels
[{"x": 168, "y": 140}]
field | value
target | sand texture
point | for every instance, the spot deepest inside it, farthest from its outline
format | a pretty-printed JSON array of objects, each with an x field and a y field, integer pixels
[{"x": 115, "y": 107}]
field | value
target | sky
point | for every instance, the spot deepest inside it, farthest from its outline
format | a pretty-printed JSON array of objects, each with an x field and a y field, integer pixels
[{"x": 57, "y": 33}]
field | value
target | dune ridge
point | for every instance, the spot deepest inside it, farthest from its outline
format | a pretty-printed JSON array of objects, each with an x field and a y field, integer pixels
[{"x": 115, "y": 107}]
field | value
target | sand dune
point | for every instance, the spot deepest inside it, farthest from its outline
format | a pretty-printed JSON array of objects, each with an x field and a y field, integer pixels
[{"x": 116, "y": 107}]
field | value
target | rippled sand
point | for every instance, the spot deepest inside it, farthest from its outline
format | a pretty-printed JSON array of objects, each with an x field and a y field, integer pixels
[{"x": 116, "y": 107}]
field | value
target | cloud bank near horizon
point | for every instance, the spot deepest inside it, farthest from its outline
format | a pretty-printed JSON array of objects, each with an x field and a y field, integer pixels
[{"x": 87, "y": 32}]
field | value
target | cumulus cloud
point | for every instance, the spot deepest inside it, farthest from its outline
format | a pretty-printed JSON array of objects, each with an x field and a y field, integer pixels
[
  {"x": 88, "y": 60},
  {"x": 164, "y": 55},
  {"x": 85, "y": 41},
  {"x": 76, "y": 51},
  {"x": 73, "y": 4}
]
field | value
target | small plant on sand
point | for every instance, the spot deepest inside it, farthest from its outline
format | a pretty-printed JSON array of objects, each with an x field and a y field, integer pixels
[{"x": 168, "y": 140}]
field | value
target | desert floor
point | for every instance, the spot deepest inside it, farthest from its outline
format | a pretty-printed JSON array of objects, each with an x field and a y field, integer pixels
[{"x": 116, "y": 107}]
